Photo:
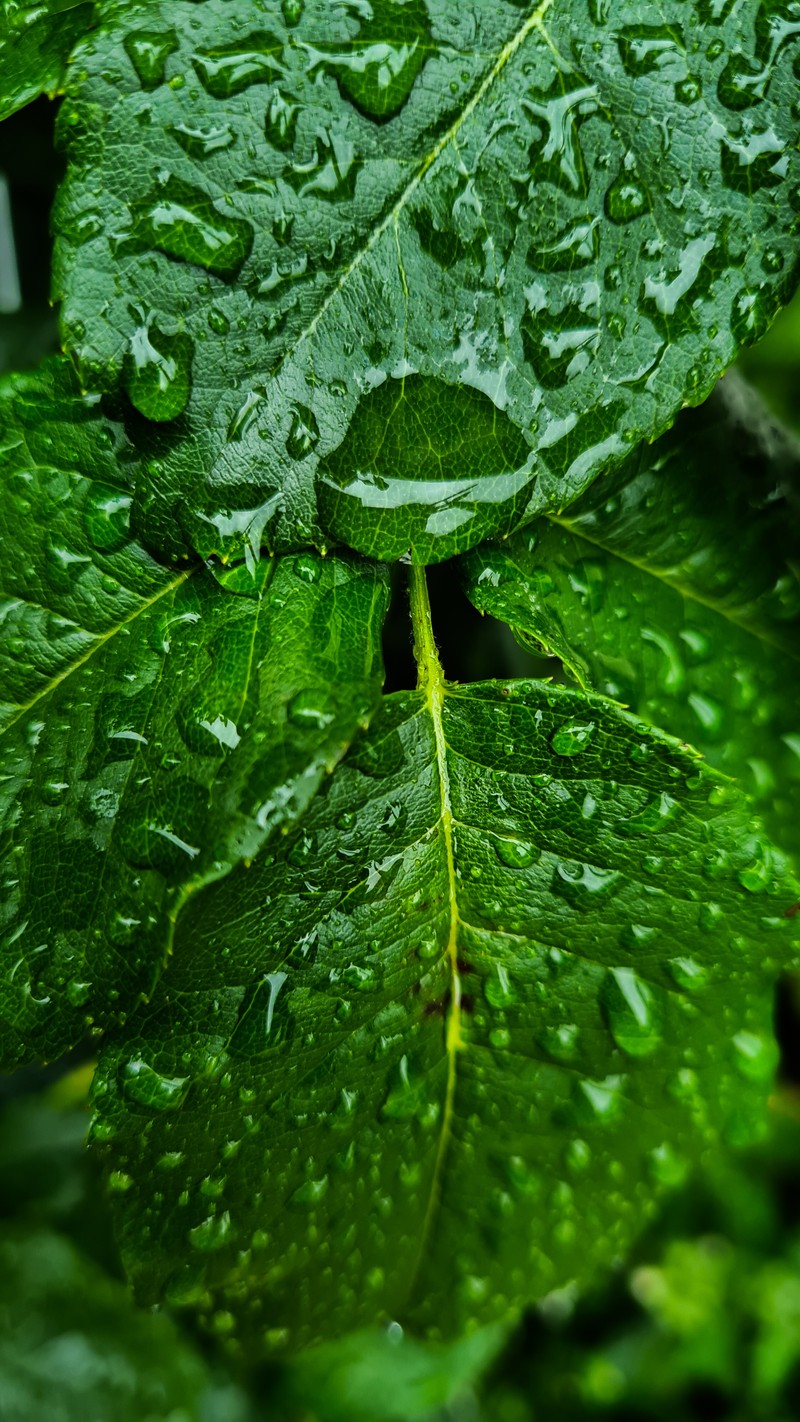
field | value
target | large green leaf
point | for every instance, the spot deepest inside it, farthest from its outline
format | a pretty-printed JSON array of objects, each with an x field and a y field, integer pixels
[
  {"x": 409, "y": 272},
  {"x": 439, "y": 1050},
  {"x": 157, "y": 725},
  {"x": 673, "y": 587},
  {"x": 36, "y": 37}
]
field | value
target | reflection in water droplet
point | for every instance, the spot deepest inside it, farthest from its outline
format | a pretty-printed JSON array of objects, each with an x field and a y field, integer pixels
[
  {"x": 182, "y": 221},
  {"x": 632, "y": 1012},
  {"x": 377, "y": 69},
  {"x": 200, "y": 142},
  {"x": 311, "y": 710},
  {"x": 106, "y": 516},
  {"x": 228, "y": 69},
  {"x": 688, "y": 974},
  {"x": 516, "y": 853},
  {"x": 147, "y": 1087},
  {"x": 214, "y": 1233},
  {"x": 263, "y": 1022},
  {"x": 148, "y": 51},
  {"x": 626, "y": 200},
  {"x": 440, "y": 454},
  {"x": 756, "y": 1057},
  {"x": 572, "y": 739},
  {"x": 158, "y": 372},
  {"x": 303, "y": 435}
]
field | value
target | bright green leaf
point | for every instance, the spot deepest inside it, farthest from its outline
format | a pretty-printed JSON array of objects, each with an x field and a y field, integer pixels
[
  {"x": 35, "y": 42},
  {"x": 409, "y": 273},
  {"x": 158, "y": 724},
  {"x": 440, "y": 1050},
  {"x": 672, "y": 586}
]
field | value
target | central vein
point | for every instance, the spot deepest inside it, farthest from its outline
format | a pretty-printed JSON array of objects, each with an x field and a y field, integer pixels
[{"x": 431, "y": 681}]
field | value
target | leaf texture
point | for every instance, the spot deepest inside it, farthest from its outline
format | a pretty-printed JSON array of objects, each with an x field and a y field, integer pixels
[
  {"x": 439, "y": 1050},
  {"x": 673, "y": 587},
  {"x": 35, "y": 42},
  {"x": 157, "y": 724},
  {"x": 404, "y": 275}
]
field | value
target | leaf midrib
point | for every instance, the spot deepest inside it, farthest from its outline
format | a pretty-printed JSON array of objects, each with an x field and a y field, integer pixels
[
  {"x": 532, "y": 23},
  {"x": 688, "y": 593},
  {"x": 100, "y": 641}
]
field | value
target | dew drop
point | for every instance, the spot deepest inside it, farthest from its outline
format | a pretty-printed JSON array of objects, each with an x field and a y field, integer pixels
[
  {"x": 303, "y": 435},
  {"x": 214, "y": 1233},
  {"x": 226, "y": 70},
  {"x": 148, "y": 51},
  {"x": 158, "y": 372},
  {"x": 515, "y": 853},
  {"x": 572, "y": 739},
  {"x": 106, "y": 516},
  {"x": 147, "y": 1087},
  {"x": 631, "y": 1012}
]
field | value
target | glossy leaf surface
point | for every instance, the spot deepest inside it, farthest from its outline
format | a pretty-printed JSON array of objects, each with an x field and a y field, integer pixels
[
  {"x": 673, "y": 587},
  {"x": 35, "y": 42},
  {"x": 439, "y": 1050},
  {"x": 157, "y": 724},
  {"x": 529, "y": 233}
]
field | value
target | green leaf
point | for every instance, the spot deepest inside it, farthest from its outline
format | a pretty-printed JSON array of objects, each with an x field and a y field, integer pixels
[
  {"x": 409, "y": 273},
  {"x": 73, "y": 1347},
  {"x": 157, "y": 724},
  {"x": 672, "y": 586},
  {"x": 35, "y": 42},
  {"x": 441, "y": 1048}
]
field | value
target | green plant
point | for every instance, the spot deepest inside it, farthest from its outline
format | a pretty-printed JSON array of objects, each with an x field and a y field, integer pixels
[{"x": 409, "y": 1006}]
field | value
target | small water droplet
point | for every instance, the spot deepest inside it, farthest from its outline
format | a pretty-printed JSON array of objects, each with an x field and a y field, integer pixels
[{"x": 573, "y": 739}]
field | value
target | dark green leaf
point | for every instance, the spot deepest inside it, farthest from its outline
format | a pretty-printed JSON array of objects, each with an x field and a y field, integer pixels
[
  {"x": 441, "y": 1048},
  {"x": 158, "y": 724},
  {"x": 36, "y": 37},
  {"x": 73, "y": 1348},
  {"x": 514, "y": 239},
  {"x": 672, "y": 587}
]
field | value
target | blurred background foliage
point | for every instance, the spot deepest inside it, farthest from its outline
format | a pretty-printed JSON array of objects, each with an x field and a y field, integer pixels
[{"x": 703, "y": 1321}]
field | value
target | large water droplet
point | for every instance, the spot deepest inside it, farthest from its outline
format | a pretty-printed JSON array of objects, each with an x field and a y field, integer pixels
[
  {"x": 516, "y": 853},
  {"x": 572, "y": 739},
  {"x": 182, "y": 221},
  {"x": 440, "y": 454},
  {"x": 632, "y": 1012},
  {"x": 303, "y": 435},
  {"x": 148, "y": 51},
  {"x": 228, "y": 69},
  {"x": 106, "y": 516},
  {"x": 147, "y": 1087},
  {"x": 264, "y": 1022},
  {"x": 214, "y": 1233},
  {"x": 377, "y": 69},
  {"x": 201, "y": 141},
  {"x": 158, "y": 372},
  {"x": 311, "y": 710}
]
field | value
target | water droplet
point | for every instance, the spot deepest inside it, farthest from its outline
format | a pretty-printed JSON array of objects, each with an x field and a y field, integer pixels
[
  {"x": 377, "y": 69},
  {"x": 584, "y": 885},
  {"x": 280, "y": 121},
  {"x": 229, "y": 69},
  {"x": 688, "y": 974},
  {"x": 303, "y": 435},
  {"x": 311, "y": 1193},
  {"x": 204, "y": 726},
  {"x": 750, "y": 317},
  {"x": 201, "y": 142},
  {"x": 631, "y": 1012},
  {"x": 292, "y": 11},
  {"x": 656, "y": 817},
  {"x": 158, "y": 372},
  {"x": 499, "y": 990},
  {"x": 263, "y": 1022},
  {"x": 560, "y": 1043},
  {"x": 516, "y": 853},
  {"x": 53, "y": 792},
  {"x": 181, "y": 221},
  {"x": 214, "y": 1233},
  {"x": 148, "y": 51},
  {"x": 756, "y": 1057},
  {"x": 666, "y": 1167},
  {"x": 147, "y": 1087},
  {"x": 311, "y": 710},
  {"x": 106, "y": 516},
  {"x": 626, "y": 200},
  {"x": 572, "y": 739},
  {"x": 445, "y": 456}
]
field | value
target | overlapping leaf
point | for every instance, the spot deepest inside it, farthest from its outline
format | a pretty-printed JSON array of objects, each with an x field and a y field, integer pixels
[
  {"x": 410, "y": 272},
  {"x": 35, "y": 42},
  {"x": 439, "y": 1051},
  {"x": 673, "y": 587},
  {"x": 157, "y": 724}
]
